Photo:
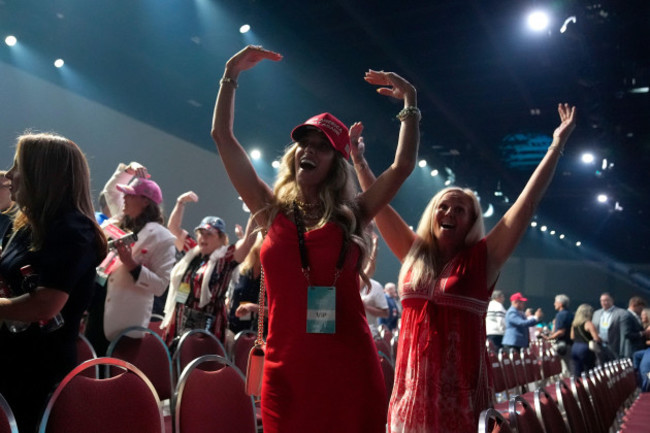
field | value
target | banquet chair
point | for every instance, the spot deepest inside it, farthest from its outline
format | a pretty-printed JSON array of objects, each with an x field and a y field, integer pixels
[
  {"x": 592, "y": 419},
  {"x": 244, "y": 341},
  {"x": 213, "y": 401},
  {"x": 522, "y": 416},
  {"x": 154, "y": 324},
  {"x": 568, "y": 404},
  {"x": 388, "y": 371},
  {"x": 548, "y": 412},
  {"x": 149, "y": 354},
  {"x": 7, "y": 418},
  {"x": 492, "y": 421},
  {"x": 126, "y": 402},
  {"x": 85, "y": 351},
  {"x": 192, "y": 345}
]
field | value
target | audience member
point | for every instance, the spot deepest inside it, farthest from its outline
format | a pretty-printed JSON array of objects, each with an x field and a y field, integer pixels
[
  {"x": 311, "y": 256},
  {"x": 448, "y": 273},
  {"x": 517, "y": 335},
  {"x": 8, "y": 208},
  {"x": 583, "y": 331},
  {"x": 143, "y": 267},
  {"x": 243, "y": 303},
  {"x": 495, "y": 320},
  {"x": 199, "y": 281},
  {"x": 394, "y": 307},
  {"x": 608, "y": 321},
  {"x": 372, "y": 296},
  {"x": 55, "y": 233},
  {"x": 633, "y": 334},
  {"x": 561, "y": 332}
]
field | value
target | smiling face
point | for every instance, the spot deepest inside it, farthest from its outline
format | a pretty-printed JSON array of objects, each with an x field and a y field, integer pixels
[
  {"x": 453, "y": 218},
  {"x": 313, "y": 159},
  {"x": 208, "y": 240},
  {"x": 134, "y": 205}
]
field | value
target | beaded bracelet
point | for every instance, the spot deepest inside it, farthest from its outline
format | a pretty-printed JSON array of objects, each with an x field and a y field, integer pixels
[
  {"x": 557, "y": 149},
  {"x": 228, "y": 80},
  {"x": 409, "y": 112}
]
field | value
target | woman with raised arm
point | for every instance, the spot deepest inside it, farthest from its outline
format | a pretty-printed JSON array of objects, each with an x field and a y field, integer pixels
[
  {"x": 449, "y": 269},
  {"x": 321, "y": 372}
]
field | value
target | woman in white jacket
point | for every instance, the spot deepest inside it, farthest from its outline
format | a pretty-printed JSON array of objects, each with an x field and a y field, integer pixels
[{"x": 145, "y": 265}]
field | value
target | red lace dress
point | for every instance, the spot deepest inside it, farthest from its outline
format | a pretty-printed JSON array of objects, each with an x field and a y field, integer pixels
[
  {"x": 317, "y": 382},
  {"x": 441, "y": 375}
]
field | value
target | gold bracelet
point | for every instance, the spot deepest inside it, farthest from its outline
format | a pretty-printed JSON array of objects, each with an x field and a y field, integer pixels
[
  {"x": 228, "y": 80},
  {"x": 409, "y": 111},
  {"x": 557, "y": 148}
]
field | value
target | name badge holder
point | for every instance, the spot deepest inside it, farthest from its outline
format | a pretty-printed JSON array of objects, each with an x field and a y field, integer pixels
[{"x": 321, "y": 300}]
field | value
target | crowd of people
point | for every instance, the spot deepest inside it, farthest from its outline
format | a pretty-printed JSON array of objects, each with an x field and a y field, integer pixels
[{"x": 311, "y": 238}]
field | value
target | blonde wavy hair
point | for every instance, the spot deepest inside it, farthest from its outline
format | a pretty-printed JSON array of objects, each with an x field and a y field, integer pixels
[
  {"x": 422, "y": 259},
  {"x": 584, "y": 313},
  {"x": 337, "y": 194}
]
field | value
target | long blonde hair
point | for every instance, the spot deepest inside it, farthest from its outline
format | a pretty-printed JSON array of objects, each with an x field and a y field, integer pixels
[
  {"x": 54, "y": 177},
  {"x": 584, "y": 313},
  {"x": 337, "y": 195},
  {"x": 253, "y": 257},
  {"x": 422, "y": 259}
]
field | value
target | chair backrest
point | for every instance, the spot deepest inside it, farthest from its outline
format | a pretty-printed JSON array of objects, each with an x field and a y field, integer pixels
[
  {"x": 154, "y": 324},
  {"x": 532, "y": 366},
  {"x": 7, "y": 418},
  {"x": 508, "y": 369},
  {"x": 498, "y": 378},
  {"x": 518, "y": 366},
  {"x": 394, "y": 344},
  {"x": 126, "y": 402},
  {"x": 522, "y": 416},
  {"x": 244, "y": 341},
  {"x": 149, "y": 354},
  {"x": 491, "y": 421},
  {"x": 568, "y": 404},
  {"x": 388, "y": 370},
  {"x": 194, "y": 344},
  {"x": 213, "y": 400},
  {"x": 586, "y": 406},
  {"x": 86, "y": 351},
  {"x": 549, "y": 413},
  {"x": 383, "y": 346}
]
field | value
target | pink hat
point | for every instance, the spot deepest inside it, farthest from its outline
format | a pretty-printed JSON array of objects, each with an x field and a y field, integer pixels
[
  {"x": 336, "y": 132},
  {"x": 518, "y": 297},
  {"x": 145, "y": 187}
]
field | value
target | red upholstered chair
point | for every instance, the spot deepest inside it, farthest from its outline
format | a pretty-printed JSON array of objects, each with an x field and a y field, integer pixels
[
  {"x": 125, "y": 403},
  {"x": 500, "y": 385},
  {"x": 388, "y": 370},
  {"x": 149, "y": 353},
  {"x": 519, "y": 369},
  {"x": 491, "y": 421},
  {"x": 213, "y": 401},
  {"x": 383, "y": 346},
  {"x": 522, "y": 416},
  {"x": 194, "y": 344},
  {"x": 508, "y": 372},
  {"x": 7, "y": 419},
  {"x": 569, "y": 406},
  {"x": 594, "y": 425},
  {"x": 548, "y": 412},
  {"x": 85, "y": 351},
  {"x": 154, "y": 324},
  {"x": 244, "y": 341}
]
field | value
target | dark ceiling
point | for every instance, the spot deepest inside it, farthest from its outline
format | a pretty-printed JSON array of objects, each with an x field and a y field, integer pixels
[{"x": 485, "y": 83}]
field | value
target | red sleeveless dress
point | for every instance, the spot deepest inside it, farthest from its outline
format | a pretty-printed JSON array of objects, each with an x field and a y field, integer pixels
[
  {"x": 317, "y": 382},
  {"x": 441, "y": 374}
]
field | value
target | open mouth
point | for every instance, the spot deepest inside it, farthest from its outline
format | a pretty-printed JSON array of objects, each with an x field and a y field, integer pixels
[
  {"x": 307, "y": 164},
  {"x": 447, "y": 226}
]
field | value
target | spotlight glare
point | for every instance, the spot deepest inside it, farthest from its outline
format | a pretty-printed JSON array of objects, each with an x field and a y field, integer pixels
[
  {"x": 275, "y": 164},
  {"x": 244, "y": 29},
  {"x": 533, "y": 224},
  {"x": 59, "y": 63},
  {"x": 447, "y": 182},
  {"x": 11, "y": 40},
  {"x": 552, "y": 232},
  {"x": 434, "y": 173},
  {"x": 422, "y": 163},
  {"x": 538, "y": 21},
  {"x": 562, "y": 236},
  {"x": 543, "y": 228},
  {"x": 256, "y": 154},
  {"x": 588, "y": 158},
  {"x": 578, "y": 243},
  {"x": 602, "y": 198}
]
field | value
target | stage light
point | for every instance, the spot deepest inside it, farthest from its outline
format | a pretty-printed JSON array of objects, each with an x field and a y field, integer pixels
[
  {"x": 588, "y": 158},
  {"x": 11, "y": 40},
  {"x": 578, "y": 243},
  {"x": 434, "y": 173},
  {"x": 562, "y": 236},
  {"x": 422, "y": 163},
  {"x": 447, "y": 182},
  {"x": 543, "y": 228},
  {"x": 275, "y": 164},
  {"x": 533, "y": 223},
  {"x": 552, "y": 232},
  {"x": 602, "y": 198},
  {"x": 59, "y": 63},
  {"x": 244, "y": 29},
  {"x": 538, "y": 21},
  {"x": 256, "y": 154}
]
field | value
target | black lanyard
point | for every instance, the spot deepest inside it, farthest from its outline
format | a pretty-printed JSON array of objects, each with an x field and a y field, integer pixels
[{"x": 304, "y": 259}]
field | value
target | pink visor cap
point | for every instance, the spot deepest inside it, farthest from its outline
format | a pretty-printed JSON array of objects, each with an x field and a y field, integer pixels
[
  {"x": 335, "y": 131},
  {"x": 145, "y": 187}
]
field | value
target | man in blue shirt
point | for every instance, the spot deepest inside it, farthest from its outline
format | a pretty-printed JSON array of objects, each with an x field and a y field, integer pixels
[
  {"x": 562, "y": 331},
  {"x": 517, "y": 336}
]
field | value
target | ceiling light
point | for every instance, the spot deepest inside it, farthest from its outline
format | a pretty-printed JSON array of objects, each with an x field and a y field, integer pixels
[
  {"x": 11, "y": 40},
  {"x": 588, "y": 158},
  {"x": 533, "y": 224},
  {"x": 640, "y": 90},
  {"x": 538, "y": 21},
  {"x": 422, "y": 163},
  {"x": 578, "y": 243},
  {"x": 602, "y": 198},
  {"x": 543, "y": 228},
  {"x": 447, "y": 182},
  {"x": 562, "y": 236},
  {"x": 552, "y": 232},
  {"x": 244, "y": 29},
  {"x": 618, "y": 207},
  {"x": 275, "y": 164},
  {"x": 566, "y": 23},
  {"x": 434, "y": 173},
  {"x": 59, "y": 63},
  {"x": 256, "y": 154}
]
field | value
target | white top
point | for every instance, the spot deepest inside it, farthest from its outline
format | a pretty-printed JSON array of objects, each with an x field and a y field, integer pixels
[
  {"x": 374, "y": 298},
  {"x": 495, "y": 321}
]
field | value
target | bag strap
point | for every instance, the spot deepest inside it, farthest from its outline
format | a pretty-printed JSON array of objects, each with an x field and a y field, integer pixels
[{"x": 260, "y": 316}]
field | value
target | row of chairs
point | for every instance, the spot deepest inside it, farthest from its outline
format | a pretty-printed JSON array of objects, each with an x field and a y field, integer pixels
[{"x": 593, "y": 403}]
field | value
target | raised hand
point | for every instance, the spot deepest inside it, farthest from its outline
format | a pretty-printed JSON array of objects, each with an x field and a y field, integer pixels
[
  {"x": 138, "y": 170},
  {"x": 186, "y": 197},
  {"x": 357, "y": 145},
  {"x": 394, "y": 85},
  {"x": 247, "y": 58},
  {"x": 567, "y": 116}
]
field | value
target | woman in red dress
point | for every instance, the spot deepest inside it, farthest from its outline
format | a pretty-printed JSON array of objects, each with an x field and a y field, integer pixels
[
  {"x": 449, "y": 269},
  {"x": 321, "y": 372}
]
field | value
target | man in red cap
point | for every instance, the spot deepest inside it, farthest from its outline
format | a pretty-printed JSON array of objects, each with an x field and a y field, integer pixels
[{"x": 516, "y": 336}]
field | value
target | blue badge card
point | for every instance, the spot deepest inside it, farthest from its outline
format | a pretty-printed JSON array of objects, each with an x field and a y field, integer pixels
[{"x": 321, "y": 309}]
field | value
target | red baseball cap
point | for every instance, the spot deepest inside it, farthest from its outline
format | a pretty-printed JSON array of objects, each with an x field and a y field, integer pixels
[
  {"x": 145, "y": 187},
  {"x": 335, "y": 131},
  {"x": 518, "y": 297}
]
